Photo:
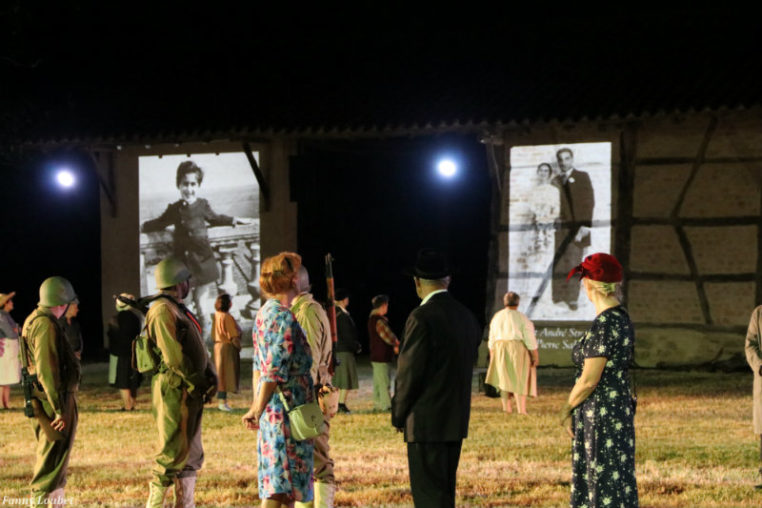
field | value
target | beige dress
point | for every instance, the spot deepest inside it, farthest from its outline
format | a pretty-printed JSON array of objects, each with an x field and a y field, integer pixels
[
  {"x": 227, "y": 347},
  {"x": 511, "y": 337}
]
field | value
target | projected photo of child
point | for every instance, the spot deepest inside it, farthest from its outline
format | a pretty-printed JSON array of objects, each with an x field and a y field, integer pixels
[
  {"x": 554, "y": 220},
  {"x": 193, "y": 228}
]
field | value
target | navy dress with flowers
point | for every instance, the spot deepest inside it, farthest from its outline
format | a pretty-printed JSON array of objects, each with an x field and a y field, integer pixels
[
  {"x": 603, "y": 450},
  {"x": 282, "y": 355}
]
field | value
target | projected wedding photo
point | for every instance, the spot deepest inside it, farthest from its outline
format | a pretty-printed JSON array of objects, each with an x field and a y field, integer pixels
[
  {"x": 204, "y": 210},
  {"x": 559, "y": 212}
]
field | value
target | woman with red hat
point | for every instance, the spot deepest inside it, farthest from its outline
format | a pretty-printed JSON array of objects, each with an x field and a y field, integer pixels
[{"x": 599, "y": 414}]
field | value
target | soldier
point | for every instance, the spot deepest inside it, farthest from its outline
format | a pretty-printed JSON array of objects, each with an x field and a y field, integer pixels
[
  {"x": 312, "y": 318},
  {"x": 46, "y": 354},
  {"x": 184, "y": 379}
]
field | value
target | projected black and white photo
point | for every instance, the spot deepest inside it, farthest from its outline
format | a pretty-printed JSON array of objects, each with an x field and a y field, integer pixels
[
  {"x": 204, "y": 210},
  {"x": 559, "y": 212}
]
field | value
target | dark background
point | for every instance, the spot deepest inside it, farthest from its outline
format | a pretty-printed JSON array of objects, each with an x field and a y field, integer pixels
[
  {"x": 81, "y": 73},
  {"x": 47, "y": 230},
  {"x": 373, "y": 205}
]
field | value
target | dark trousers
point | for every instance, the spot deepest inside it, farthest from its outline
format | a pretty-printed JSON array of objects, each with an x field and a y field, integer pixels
[{"x": 432, "y": 473}]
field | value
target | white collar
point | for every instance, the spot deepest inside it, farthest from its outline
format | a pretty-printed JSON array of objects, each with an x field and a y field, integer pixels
[{"x": 428, "y": 296}]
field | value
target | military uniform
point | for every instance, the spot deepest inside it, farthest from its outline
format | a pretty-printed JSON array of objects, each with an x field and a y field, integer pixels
[
  {"x": 177, "y": 393},
  {"x": 51, "y": 358},
  {"x": 314, "y": 321}
]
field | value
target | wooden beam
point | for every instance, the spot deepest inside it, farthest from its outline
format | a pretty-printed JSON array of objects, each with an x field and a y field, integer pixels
[
  {"x": 493, "y": 250},
  {"x": 263, "y": 187},
  {"x": 105, "y": 173},
  {"x": 742, "y": 220},
  {"x": 685, "y": 244},
  {"x": 667, "y": 161},
  {"x": 628, "y": 147}
]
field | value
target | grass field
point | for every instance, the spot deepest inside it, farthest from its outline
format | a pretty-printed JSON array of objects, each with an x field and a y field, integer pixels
[{"x": 695, "y": 448}]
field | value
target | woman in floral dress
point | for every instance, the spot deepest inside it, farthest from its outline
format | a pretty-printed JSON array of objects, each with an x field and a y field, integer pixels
[
  {"x": 600, "y": 412},
  {"x": 282, "y": 360}
]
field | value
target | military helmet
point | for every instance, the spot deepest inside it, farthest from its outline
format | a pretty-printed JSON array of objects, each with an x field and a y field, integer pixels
[
  {"x": 55, "y": 291},
  {"x": 169, "y": 272}
]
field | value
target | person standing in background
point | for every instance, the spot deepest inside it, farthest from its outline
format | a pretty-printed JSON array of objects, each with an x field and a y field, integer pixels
[
  {"x": 753, "y": 350},
  {"x": 599, "y": 414},
  {"x": 47, "y": 355},
  {"x": 121, "y": 331},
  {"x": 513, "y": 355},
  {"x": 184, "y": 381},
  {"x": 10, "y": 368},
  {"x": 347, "y": 346},
  {"x": 227, "y": 350},
  {"x": 432, "y": 396},
  {"x": 314, "y": 321},
  {"x": 383, "y": 344},
  {"x": 72, "y": 330}
]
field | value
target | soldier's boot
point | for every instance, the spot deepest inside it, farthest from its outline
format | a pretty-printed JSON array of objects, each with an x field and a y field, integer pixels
[
  {"x": 324, "y": 493},
  {"x": 184, "y": 491},
  {"x": 156, "y": 495}
]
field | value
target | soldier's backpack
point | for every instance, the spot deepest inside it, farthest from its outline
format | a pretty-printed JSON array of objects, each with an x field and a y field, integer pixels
[{"x": 145, "y": 354}]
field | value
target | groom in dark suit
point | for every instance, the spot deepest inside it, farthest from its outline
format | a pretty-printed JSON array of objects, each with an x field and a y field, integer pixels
[
  {"x": 573, "y": 232},
  {"x": 432, "y": 396}
]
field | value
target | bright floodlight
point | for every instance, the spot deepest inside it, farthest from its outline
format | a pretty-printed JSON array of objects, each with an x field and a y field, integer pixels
[
  {"x": 447, "y": 168},
  {"x": 65, "y": 178}
]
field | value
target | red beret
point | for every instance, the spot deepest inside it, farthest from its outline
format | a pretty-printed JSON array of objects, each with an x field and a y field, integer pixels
[{"x": 599, "y": 266}]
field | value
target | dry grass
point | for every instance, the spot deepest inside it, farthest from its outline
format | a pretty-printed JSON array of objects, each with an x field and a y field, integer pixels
[{"x": 694, "y": 438}]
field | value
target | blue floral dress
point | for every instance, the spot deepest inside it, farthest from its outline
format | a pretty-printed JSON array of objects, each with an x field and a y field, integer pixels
[
  {"x": 603, "y": 450},
  {"x": 282, "y": 355}
]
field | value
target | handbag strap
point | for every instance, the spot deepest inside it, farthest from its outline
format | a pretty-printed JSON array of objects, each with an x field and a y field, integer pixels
[{"x": 282, "y": 399}]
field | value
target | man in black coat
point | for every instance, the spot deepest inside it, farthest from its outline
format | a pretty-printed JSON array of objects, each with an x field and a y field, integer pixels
[
  {"x": 573, "y": 232},
  {"x": 432, "y": 396}
]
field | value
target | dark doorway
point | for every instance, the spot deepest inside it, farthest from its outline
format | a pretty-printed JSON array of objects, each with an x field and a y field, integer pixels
[{"x": 373, "y": 204}]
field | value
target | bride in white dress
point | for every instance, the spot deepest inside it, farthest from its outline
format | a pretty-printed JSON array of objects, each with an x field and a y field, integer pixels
[{"x": 543, "y": 205}]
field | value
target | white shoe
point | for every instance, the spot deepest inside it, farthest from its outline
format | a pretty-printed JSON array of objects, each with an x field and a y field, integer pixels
[{"x": 223, "y": 406}]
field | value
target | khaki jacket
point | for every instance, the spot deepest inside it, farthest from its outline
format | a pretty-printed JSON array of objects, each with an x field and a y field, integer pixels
[
  {"x": 754, "y": 357},
  {"x": 314, "y": 321},
  {"x": 52, "y": 359},
  {"x": 182, "y": 349}
]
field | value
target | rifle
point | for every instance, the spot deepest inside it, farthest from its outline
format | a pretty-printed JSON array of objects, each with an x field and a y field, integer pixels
[{"x": 330, "y": 308}]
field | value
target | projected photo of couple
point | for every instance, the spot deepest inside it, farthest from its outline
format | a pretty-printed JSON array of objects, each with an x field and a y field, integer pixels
[
  {"x": 559, "y": 211},
  {"x": 204, "y": 210}
]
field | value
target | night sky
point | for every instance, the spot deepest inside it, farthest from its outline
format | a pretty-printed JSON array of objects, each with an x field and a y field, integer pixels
[{"x": 109, "y": 69}]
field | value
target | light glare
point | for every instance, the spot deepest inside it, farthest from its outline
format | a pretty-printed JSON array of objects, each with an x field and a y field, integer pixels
[
  {"x": 447, "y": 168},
  {"x": 65, "y": 178}
]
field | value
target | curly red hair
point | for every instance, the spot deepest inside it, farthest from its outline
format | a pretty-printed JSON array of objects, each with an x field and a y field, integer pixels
[{"x": 278, "y": 272}]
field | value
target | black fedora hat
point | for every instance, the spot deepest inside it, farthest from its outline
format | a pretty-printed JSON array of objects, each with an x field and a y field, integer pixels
[{"x": 430, "y": 264}]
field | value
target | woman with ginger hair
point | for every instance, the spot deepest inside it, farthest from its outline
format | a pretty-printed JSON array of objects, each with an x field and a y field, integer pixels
[
  {"x": 282, "y": 360},
  {"x": 600, "y": 412}
]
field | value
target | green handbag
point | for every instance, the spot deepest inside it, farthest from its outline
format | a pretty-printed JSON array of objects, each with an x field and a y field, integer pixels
[{"x": 306, "y": 421}]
